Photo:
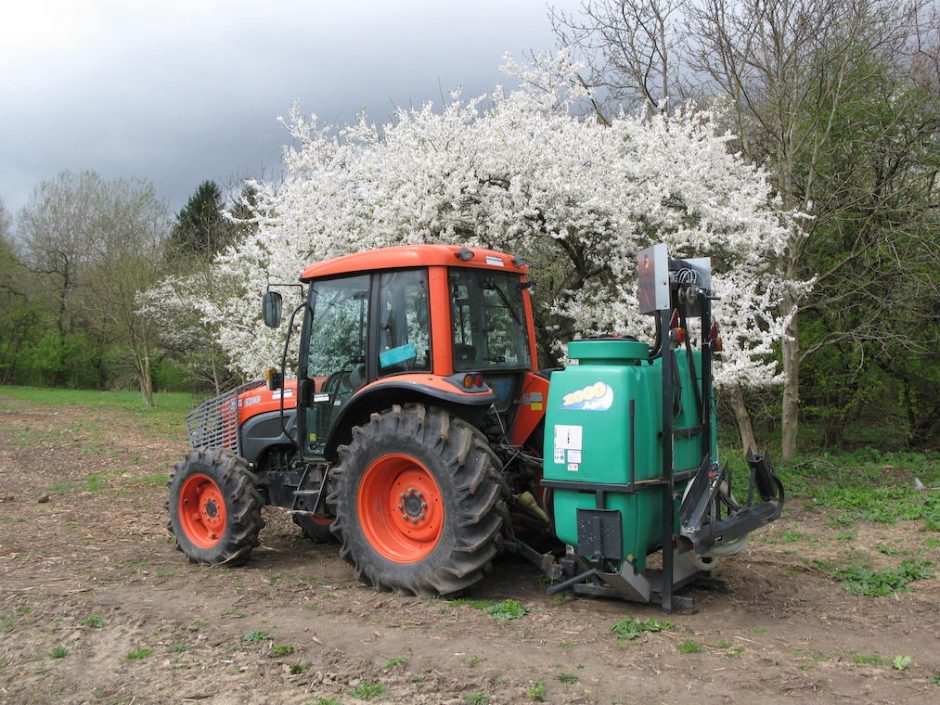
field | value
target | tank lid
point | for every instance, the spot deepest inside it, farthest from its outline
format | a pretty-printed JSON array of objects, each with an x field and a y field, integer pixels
[{"x": 608, "y": 349}]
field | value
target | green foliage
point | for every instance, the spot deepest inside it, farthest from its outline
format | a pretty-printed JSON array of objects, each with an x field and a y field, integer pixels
[
  {"x": 689, "y": 647},
  {"x": 628, "y": 628},
  {"x": 59, "y": 652},
  {"x": 325, "y": 701},
  {"x": 860, "y": 580},
  {"x": 282, "y": 650},
  {"x": 864, "y": 660},
  {"x": 504, "y": 611},
  {"x": 93, "y": 621},
  {"x": 298, "y": 668},
  {"x": 393, "y": 662},
  {"x": 139, "y": 654},
  {"x": 256, "y": 636},
  {"x": 367, "y": 690},
  {"x": 477, "y": 698},
  {"x": 901, "y": 663},
  {"x": 537, "y": 693},
  {"x": 566, "y": 678}
]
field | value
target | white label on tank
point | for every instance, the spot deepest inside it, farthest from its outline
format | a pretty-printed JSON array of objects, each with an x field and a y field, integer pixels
[
  {"x": 559, "y": 455},
  {"x": 572, "y": 467},
  {"x": 574, "y": 456},
  {"x": 568, "y": 437}
]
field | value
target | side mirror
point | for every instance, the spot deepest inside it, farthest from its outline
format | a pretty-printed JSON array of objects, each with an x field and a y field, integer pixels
[{"x": 272, "y": 309}]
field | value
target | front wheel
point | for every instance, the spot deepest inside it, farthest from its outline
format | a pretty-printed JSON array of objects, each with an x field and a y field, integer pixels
[
  {"x": 418, "y": 502},
  {"x": 215, "y": 507}
]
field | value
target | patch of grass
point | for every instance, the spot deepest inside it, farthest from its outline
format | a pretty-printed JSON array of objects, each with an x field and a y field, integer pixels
[
  {"x": 504, "y": 611},
  {"x": 877, "y": 583},
  {"x": 888, "y": 550},
  {"x": 866, "y": 485},
  {"x": 59, "y": 652},
  {"x": 94, "y": 482},
  {"x": 139, "y": 654},
  {"x": 282, "y": 650},
  {"x": 689, "y": 647},
  {"x": 298, "y": 668},
  {"x": 325, "y": 701},
  {"x": 565, "y": 645},
  {"x": 866, "y": 660},
  {"x": 935, "y": 679},
  {"x": 628, "y": 628},
  {"x": 734, "y": 651},
  {"x": 901, "y": 663},
  {"x": 537, "y": 692},
  {"x": 931, "y": 543},
  {"x": 178, "y": 648},
  {"x": 846, "y": 536},
  {"x": 566, "y": 678},
  {"x": 473, "y": 661},
  {"x": 368, "y": 690},
  {"x": 256, "y": 636},
  {"x": 476, "y": 698},
  {"x": 397, "y": 661},
  {"x": 93, "y": 621},
  {"x": 758, "y": 630}
]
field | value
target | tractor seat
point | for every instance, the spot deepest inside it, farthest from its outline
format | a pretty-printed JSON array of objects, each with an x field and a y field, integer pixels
[{"x": 465, "y": 353}]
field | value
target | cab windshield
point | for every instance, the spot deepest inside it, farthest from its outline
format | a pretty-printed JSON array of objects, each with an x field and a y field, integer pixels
[{"x": 488, "y": 320}]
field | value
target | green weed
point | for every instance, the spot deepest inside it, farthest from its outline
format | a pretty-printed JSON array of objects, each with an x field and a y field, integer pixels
[
  {"x": 473, "y": 661},
  {"x": 397, "y": 661},
  {"x": 139, "y": 654},
  {"x": 93, "y": 621},
  {"x": 256, "y": 636},
  {"x": 877, "y": 583},
  {"x": 566, "y": 678},
  {"x": 368, "y": 690},
  {"x": 325, "y": 701},
  {"x": 504, "y": 611},
  {"x": 689, "y": 647},
  {"x": 298, "y": 668},
  {"x": 865, "y": 660},
  {"x": 477, "y": 698},
  {"x": 59, "y": 652},
  {"x": 537, "y": 693},
  {"x": 628, "y": 628},
  {"x": 178, "y": 648},
  {"x": 282, "y": 650},
  {"x": 901, "y": 663}
]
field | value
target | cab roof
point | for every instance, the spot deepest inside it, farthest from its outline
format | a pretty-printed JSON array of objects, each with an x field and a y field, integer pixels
[{"x": 414, "y": 256}]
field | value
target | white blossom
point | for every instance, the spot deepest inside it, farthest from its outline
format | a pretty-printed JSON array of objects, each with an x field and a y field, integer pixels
[{"x": 523, "y": 173}]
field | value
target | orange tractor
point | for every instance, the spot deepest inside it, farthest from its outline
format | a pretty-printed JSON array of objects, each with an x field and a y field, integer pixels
[{"x": 415, "y": 431}]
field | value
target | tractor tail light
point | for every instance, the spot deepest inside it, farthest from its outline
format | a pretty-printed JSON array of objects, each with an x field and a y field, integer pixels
[
  {"x": 467, "y": 381},
  {"x": 478, "y": 380}
]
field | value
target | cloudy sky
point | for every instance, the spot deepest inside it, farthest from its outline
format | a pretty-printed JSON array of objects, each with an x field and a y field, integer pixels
[{"x": 177, "y": 91}]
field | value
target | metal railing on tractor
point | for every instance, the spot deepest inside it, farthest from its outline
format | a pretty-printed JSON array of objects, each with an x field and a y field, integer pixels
[{"x": 214, "y": 423}]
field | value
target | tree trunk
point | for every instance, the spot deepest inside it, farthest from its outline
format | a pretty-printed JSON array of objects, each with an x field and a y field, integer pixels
[
  {"x": 791, "y": 387},
  {"x": 143, "y": 376},
  {"x": 743, "y": 418}
]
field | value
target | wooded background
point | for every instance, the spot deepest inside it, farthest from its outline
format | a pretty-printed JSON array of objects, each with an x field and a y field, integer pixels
[{"x": 838, "y": 99}]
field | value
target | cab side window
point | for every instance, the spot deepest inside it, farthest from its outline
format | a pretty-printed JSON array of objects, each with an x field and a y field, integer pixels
[{"x": 404, "y": 322}]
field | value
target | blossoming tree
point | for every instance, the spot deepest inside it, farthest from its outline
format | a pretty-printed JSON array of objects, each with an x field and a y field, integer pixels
[{"x": 522, "y": 172}]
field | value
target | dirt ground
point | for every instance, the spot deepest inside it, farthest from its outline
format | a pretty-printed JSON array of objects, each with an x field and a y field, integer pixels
[{"x": 96, "y": 606}]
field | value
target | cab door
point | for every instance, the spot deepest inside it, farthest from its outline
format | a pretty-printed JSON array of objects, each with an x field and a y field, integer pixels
[{"x": 337, "y": 351}]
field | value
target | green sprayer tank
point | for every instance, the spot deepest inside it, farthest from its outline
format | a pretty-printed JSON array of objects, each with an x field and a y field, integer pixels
[{"x": 604, "y": 416}]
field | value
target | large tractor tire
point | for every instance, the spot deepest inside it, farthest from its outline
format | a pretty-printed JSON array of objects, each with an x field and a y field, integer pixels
[
  {"x": 215, "y": 507},
  {"x": 418, "y": 502}
]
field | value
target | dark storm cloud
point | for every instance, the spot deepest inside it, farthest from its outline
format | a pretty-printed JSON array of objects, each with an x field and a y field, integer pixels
[{"x": 176, "y": 94}]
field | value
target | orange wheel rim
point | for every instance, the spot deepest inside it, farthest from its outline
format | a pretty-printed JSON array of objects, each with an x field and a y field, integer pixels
[
  {"x": 400, "y": 508},
  {"x": 202, "y": 510}
]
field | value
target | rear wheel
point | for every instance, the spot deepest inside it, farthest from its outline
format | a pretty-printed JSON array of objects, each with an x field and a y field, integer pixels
[
  {"x": 418, "y": 502},
  {"x": 214, "y": 506}
]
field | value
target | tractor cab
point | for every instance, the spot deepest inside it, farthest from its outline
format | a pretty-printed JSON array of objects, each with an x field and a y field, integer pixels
[{"x": 448, "y": 324}]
